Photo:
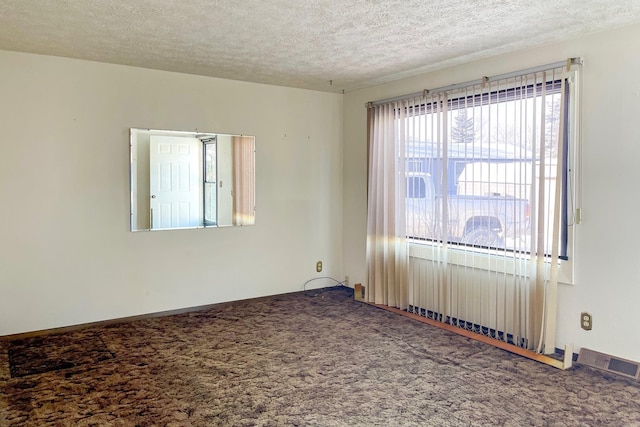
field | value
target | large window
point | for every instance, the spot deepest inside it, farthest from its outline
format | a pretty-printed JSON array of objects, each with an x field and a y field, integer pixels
[
  {"x": 470, "y": 202},
  {"x": 484, "y": 164}
]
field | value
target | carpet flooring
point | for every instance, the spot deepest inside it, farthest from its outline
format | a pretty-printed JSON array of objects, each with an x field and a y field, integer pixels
[{"x": 304, "y": 359}]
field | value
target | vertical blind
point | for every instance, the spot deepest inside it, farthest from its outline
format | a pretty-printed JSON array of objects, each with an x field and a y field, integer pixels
[{"x": 478, "y": 178}]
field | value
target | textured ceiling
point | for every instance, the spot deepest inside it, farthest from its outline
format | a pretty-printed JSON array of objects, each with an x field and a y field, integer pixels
[{"x": 298, "y": 43}]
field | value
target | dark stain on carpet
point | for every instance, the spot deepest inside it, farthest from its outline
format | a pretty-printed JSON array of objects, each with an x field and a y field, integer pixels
[{"x": 55, "y": 352}]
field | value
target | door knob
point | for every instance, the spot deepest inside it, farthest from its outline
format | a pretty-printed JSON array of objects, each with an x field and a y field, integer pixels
[{"x": 153, "y": 196}]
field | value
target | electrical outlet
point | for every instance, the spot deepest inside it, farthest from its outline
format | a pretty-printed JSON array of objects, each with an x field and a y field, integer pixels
[
  {"x": 586, "y": 321},
  {"x": 319, "y": 266},
  {"x": 346, "y": 281}
]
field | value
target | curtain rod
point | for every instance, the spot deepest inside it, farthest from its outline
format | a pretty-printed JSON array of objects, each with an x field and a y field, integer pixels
[{"x": 567, "y": 63}]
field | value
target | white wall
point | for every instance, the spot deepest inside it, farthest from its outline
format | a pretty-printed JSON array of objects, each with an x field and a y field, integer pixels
[
  {"x": 66, "y": 253},
  {"x": 607, "y": 258}
]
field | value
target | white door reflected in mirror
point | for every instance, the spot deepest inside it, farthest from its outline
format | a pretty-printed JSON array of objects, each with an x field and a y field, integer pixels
[
  {"x": 174, "y": 182},
  {"x": 191, "y": 180}
]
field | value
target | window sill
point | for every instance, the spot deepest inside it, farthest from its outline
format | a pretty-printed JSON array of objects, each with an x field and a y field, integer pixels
[{"x": 486, "y": 260}]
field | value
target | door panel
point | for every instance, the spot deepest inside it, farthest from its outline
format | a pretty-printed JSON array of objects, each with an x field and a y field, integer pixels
[{"x": 175, "y": 170}]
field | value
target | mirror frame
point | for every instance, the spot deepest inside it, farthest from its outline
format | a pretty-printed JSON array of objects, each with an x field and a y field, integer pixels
[{"x": 178, "y": 158}]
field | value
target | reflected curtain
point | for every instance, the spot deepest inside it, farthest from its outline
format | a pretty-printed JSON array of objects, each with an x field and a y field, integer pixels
[
  {"x": 387, "y": 256},
  {"x": 243, "y": 180}
]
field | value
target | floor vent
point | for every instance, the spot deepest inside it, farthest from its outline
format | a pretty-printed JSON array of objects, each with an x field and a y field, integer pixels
[{"x": 609, "y": 363}]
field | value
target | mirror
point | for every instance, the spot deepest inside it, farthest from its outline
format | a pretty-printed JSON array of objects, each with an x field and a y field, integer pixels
[{"x": 183, "y": 179}]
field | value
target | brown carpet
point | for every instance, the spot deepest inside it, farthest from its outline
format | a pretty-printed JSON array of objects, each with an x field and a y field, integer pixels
[
  {"x": 51, "y": 353},
  {"x": 316, "y": 359}
]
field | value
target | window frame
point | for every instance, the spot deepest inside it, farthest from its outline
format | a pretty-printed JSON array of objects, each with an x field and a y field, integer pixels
[{"x": 423, "y": 248}]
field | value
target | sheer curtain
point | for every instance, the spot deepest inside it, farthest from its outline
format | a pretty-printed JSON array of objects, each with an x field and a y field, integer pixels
[
  {"x": 243, "y": 180},
  {"x": 467, "y": 208},
  {"x": 387, "y": 255}
]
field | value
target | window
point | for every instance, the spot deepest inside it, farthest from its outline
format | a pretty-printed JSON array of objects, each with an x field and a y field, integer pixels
[
  {"x": 210, "y": 175},
  {"x": 414, "y": 165},
  {"x": 473, "y": 236},
  {"x": 486, "y": 164}
]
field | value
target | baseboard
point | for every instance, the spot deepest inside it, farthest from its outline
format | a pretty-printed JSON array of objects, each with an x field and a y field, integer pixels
[
  {"x": 543, "y": 358},
  {"x": 79, "y": 326},
  {"x": 71, "y": 328}
]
